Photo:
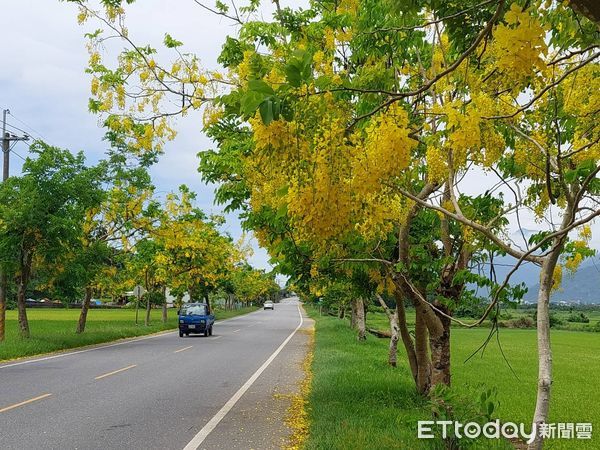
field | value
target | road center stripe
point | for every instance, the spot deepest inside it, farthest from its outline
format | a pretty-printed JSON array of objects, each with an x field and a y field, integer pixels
[
  {"x": 212, "y": 423},
  {"x": 99, "y": 377},
  {"x": 31, "y": 400},
  {"x": 183, "y": 349}
]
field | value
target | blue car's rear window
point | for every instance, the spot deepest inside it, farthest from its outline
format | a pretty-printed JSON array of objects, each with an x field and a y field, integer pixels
[{"x": 194, "y": 310}]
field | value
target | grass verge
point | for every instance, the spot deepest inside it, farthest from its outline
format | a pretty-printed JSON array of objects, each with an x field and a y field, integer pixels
[
  {"x": 359, "y": 402},
  {"x": 54, "y": 329}
]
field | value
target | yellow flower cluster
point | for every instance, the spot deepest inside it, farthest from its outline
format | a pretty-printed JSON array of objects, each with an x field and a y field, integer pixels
[
  {"x": 557, "y": 276},
  {"x": 493, "y": 145},
  {"x": 277, "y": 135},
  {"x": 465, "y": 134},
  {"x": 585, "y": 233},
  {"x": 582, "y": 101},
  {"x": 376, "y": 214},
  {"x": 320, "y": 202},
  {"x": 519, "y": 47},
  {"x": 437, "y": 164},
  {"x": 387, "y": 150},
  {"x": 572, "y": 263}
]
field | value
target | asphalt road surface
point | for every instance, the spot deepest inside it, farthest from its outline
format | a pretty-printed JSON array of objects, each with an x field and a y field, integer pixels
[{"x": 162, "y": 391}]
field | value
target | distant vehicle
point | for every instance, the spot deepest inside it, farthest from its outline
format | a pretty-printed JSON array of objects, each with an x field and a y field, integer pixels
[
  {"x": 195, "y": 318},
  {"x": 95, "y": 301},
  {"x": 269, "y": 305}
]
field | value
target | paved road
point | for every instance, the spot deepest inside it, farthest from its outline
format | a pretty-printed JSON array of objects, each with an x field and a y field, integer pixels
[{"x": 162, "y": 392}]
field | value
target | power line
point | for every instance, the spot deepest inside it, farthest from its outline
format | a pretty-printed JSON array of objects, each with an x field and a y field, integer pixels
[
  {"x": 17, "y": 129},
  {"x": 15, "y": 153},
  {"x": 28, "y": 126}
]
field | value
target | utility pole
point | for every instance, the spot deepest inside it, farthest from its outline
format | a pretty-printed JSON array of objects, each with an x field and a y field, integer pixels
[
  {"x": 5, "y": 146},
  {"x": 6, "y": 139}
]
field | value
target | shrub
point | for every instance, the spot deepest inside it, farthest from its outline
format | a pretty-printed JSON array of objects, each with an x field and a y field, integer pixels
[
  {"x": 554, "y": 319},
  {"x": 579, "y": 318},
  {"x": 521, "y": 322}
]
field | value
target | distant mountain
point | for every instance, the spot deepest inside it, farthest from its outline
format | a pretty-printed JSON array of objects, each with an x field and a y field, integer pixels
[{"x": 583, "y": 286}]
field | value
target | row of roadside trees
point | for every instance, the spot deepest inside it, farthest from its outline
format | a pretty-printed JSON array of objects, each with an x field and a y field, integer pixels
[{"x": 73, "y": 231}]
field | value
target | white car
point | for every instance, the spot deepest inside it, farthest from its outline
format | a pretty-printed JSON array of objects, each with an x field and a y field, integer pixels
[{"x": 268, "y": 305}]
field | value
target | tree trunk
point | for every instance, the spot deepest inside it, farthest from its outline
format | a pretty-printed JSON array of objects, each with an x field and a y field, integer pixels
[
  {"x": 341, "y": 311},
  {"x": 3, "y": 290},
  {"x": 25, "y": 268},
  {"x": 393, "y": 350},
  {"x": 22, "y": 310},
  {"x": 589, "y": 8},
  {"x": 440, "y": 355},
  {"x": 85, "y": 306},
  {"x": 148, "y": 306},
  {"x": 353, "y": 314},
  {"x": 407, "y": 340},
  {"x": 360, "y": 320},
  {"x": 394, "y": 332},
  {"x": 164, "y": 305},
  {"x": 542, "y": 405},
  {"x": 423, "y": 361}
]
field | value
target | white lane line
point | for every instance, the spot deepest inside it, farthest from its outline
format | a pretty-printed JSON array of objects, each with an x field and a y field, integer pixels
[
  {"x": 215, "y": 338},
  {"x": 128, "y": 341},
  {"x": 31, "y": 400},
  {"x": 99, "y": 377},
  {"x": 183, "y": 349},
  {"x": 239, "y": 329},
  {"x": 212, "y": 423}
]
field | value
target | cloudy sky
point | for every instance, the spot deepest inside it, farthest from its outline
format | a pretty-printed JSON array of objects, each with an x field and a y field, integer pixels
[{"x": 43, "y": 84}]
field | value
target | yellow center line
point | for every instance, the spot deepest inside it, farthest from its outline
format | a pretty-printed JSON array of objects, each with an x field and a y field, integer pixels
[
  {"x": 31, "y": 400},
  {"x": 114, "y": 372},
  {"x": 183, "y": 349}
]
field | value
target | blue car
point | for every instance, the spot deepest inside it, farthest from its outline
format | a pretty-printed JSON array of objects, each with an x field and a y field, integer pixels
[{"x": 195, "y": 318}]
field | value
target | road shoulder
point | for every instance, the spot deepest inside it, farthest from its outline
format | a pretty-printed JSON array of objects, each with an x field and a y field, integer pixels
[{"x": 271, "y": 413}]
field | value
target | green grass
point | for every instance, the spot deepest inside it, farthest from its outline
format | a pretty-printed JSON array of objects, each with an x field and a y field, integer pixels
[
  {"x": 54, "y": 329},
  {"x": 380, "y": 320},
  {"x": 357, "y": 401}
]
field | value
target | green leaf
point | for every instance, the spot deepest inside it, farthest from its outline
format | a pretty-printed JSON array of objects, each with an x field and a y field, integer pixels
[
  {"x": 282, "y": 211},
  {"x": 250, "y": 102},
  {"x": 293, "y": 75},
  {"x": 170, "y": 42},
  {"x": 266, "y": 111},
  {"x": 261, "y": 87}
]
